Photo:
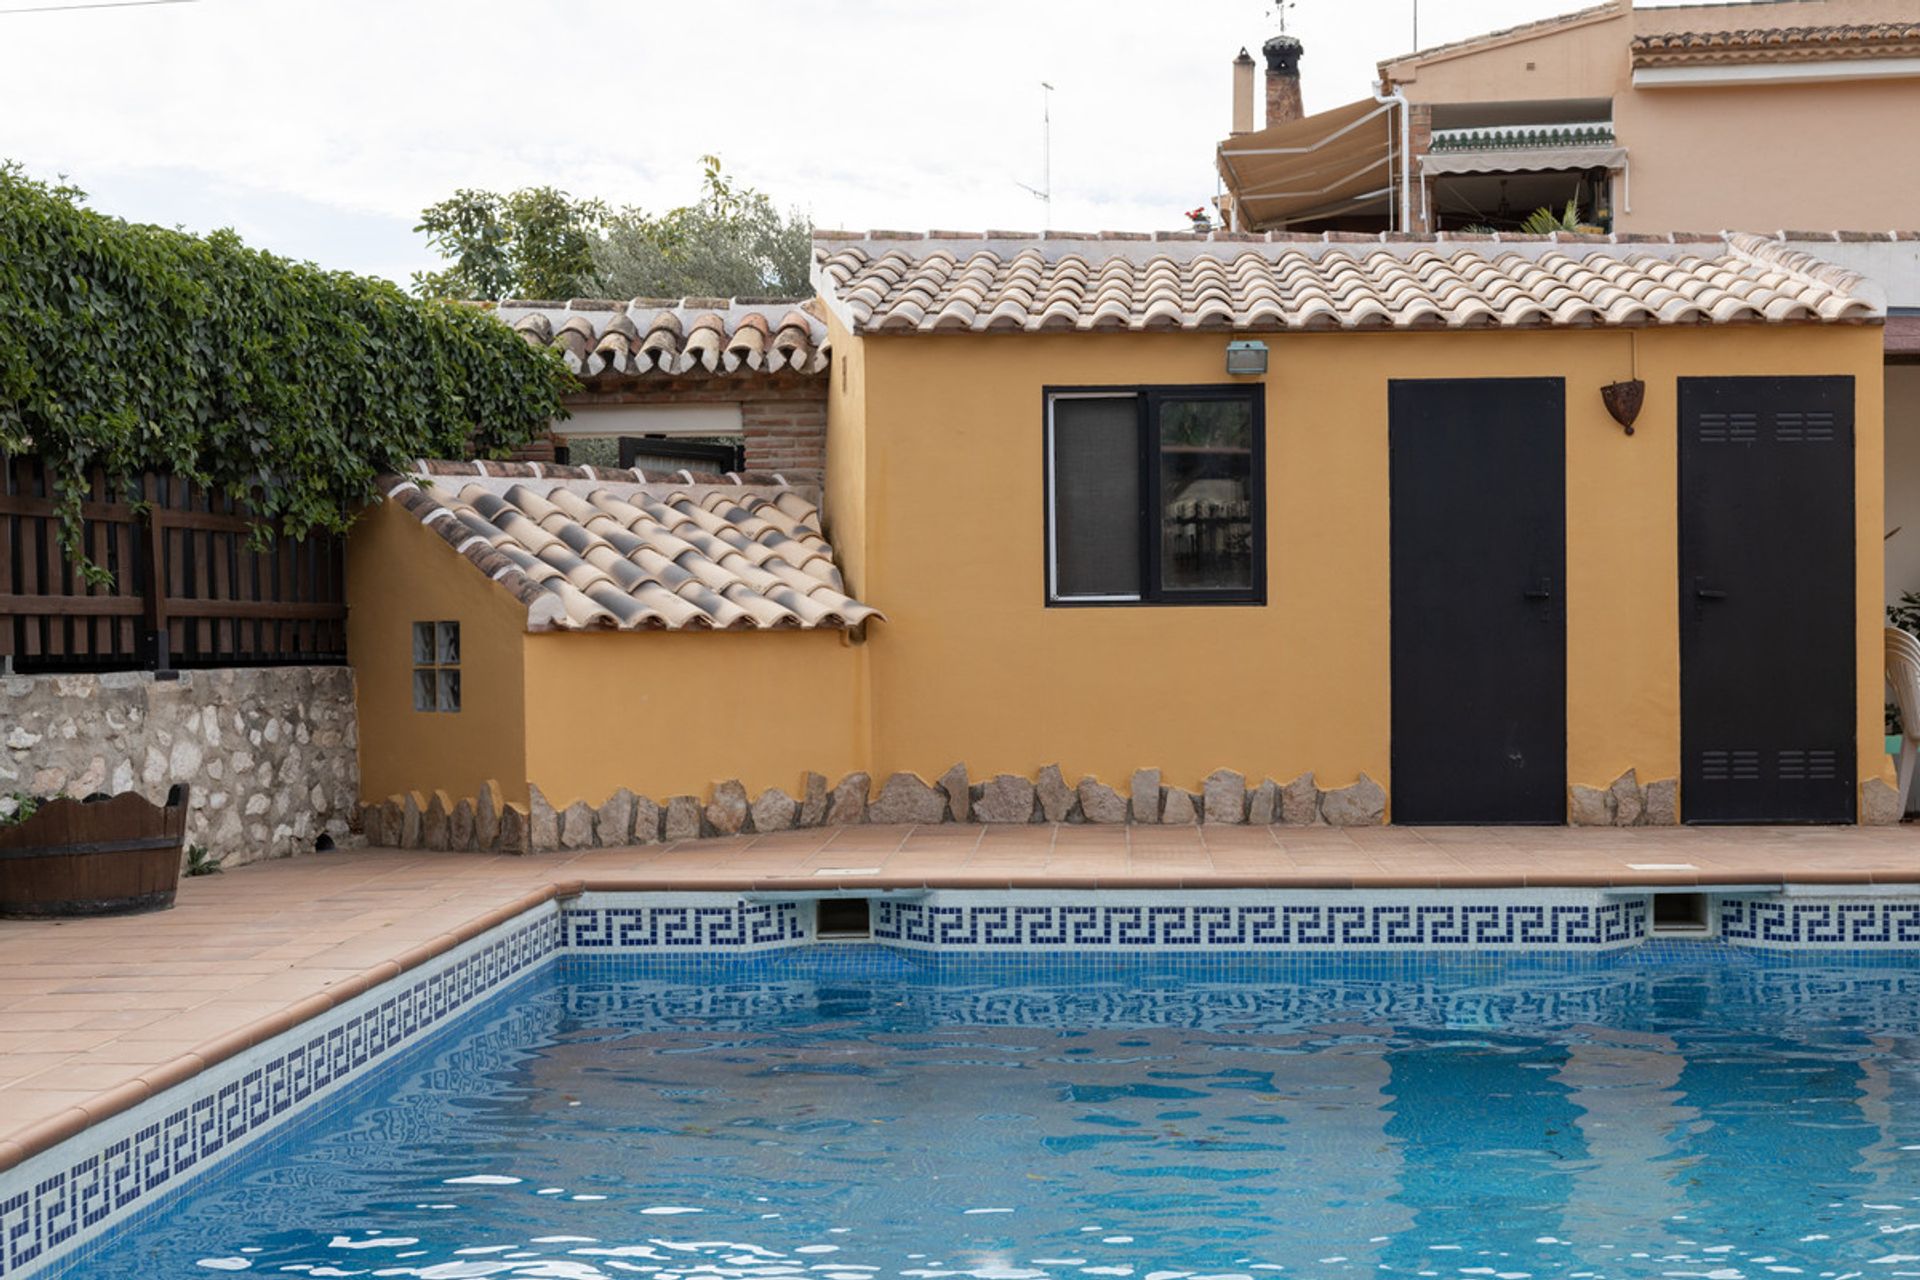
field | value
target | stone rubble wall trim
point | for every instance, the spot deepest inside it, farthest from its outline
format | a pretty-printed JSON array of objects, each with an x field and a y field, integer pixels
[
  {"x": 271, "y": 753},
  {"x": 1626, "y": 802},
  {"x": 418, "y": 821}
]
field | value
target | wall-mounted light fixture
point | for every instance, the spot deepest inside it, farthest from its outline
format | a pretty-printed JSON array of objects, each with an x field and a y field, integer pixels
[{"x": 1246, "y": 357}]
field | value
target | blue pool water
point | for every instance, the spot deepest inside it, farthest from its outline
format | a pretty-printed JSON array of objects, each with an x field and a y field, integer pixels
[{"x": 850, "y": 1114}]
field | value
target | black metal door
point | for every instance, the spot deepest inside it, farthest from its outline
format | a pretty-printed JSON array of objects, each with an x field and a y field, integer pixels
[
  {"x": 1478, "y": 474},
  {"x": 1766, "y": 600}
]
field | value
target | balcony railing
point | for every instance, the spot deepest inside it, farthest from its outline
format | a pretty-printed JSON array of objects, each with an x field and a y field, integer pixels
[{"x": 1597, "y": 133}]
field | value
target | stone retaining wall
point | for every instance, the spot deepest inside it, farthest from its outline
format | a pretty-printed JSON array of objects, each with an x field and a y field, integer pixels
[
  {"x": 438, "y": 821},
  {"x": 270, "y": 752}
]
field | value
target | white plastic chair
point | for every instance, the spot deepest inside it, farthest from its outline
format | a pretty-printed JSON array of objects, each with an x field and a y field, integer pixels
[{"x": 1903, "y": 678}]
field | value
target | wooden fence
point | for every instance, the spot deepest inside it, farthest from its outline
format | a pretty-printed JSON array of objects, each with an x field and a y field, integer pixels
[{"x": 189, "y": 585}]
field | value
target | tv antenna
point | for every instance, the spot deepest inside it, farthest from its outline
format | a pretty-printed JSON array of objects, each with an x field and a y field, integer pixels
[{"x": 1044, "y": 192}]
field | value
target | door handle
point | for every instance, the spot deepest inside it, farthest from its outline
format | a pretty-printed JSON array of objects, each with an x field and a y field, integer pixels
[
  {"x": 1703, "y": 592},
  {"x": 1543, "y": 590}
]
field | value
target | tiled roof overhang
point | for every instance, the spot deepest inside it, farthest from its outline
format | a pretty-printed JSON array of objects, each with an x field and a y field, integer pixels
[
  {"x": 1778, "y": 44},
  {"x": 602, "y": 548},
  {"x": 890, "y": 282},
  {"x": 654, "y": 337},
  {"x": 1903, "y": 338}
]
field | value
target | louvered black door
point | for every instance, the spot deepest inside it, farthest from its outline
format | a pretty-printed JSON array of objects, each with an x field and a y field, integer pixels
[
  {"x": 1766, "y": 600},
  {"x": 1477, "y": 469}
]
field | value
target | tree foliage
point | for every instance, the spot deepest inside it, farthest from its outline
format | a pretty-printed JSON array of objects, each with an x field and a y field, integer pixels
[
  {"x": 732, "y": 241},
  {"x": 537, "y": 242},
  {"x": 135, "y": 348}
]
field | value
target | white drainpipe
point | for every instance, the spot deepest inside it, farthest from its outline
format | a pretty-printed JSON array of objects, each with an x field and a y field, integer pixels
[{"x": 1396, "y": 98}]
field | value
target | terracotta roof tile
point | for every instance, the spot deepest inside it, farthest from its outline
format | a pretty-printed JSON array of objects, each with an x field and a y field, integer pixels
[
  {"x": 604, "y": 548},
  {"x": 645, "y": 337},
  {"x": 1457, "y": 281},
  {"x": 1778, "y": 44}
]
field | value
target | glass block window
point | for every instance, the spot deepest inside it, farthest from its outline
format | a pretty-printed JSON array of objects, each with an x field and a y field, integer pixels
[
  {"x": 1155, "y": 495},
  {"x": 436, "y": 666}
]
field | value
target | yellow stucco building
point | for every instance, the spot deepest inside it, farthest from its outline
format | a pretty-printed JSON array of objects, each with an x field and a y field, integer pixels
[{"x": 1346, "y": 526}]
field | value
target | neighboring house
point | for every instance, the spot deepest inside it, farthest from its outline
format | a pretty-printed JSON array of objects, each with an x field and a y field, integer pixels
[
  {"x": 1346, "y": 516},
  {"x": 1677, "y": 118},
  {"x": 687, "y": 383},
  {"x": 1681, "y": 118}
]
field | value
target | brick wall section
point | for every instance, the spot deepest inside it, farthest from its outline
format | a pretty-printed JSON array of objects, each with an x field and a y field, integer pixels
[
  {"x": 1419, "y": 142},
  {"x": 783, "y": 416},
  {"x": 787, "y": 436}
]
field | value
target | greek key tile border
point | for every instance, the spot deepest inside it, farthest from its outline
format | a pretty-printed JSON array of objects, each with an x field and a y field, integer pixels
[
  {"x": 1786, "y": 922},
  {"x": 1264, "y": 922},
  {"x": 598, "y": 923},
  {"x": 56, "y": 1202}
]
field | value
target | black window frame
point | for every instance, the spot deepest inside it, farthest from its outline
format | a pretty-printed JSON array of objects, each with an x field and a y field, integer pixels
[{"x": 1148, "y": 398}]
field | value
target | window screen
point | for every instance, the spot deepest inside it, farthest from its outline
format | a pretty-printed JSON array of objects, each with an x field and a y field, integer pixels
[{"x": 1096, "y": 496}]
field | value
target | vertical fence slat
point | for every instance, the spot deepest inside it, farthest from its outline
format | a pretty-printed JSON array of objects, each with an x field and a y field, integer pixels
[{"x": 184, "y": 566}]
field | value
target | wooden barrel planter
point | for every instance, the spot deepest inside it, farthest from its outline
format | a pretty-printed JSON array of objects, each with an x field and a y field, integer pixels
[{"x": 105, "y": 855}]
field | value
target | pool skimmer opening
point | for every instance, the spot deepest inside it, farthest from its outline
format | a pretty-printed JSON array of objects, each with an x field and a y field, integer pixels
[
  {"x": 843, "y": 919},
  {"x": 1680, "y": 913}
]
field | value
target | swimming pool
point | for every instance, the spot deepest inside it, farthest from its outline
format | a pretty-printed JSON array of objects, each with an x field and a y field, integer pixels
[{"x": 857, "y": 1112}]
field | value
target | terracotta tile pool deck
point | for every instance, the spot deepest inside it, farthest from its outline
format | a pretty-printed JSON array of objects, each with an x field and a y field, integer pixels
[{"x": 97, "y": 1015}]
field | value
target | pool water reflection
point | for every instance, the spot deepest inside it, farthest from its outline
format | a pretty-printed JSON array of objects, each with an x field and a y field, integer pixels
[{"x": 850, "y": 1114}]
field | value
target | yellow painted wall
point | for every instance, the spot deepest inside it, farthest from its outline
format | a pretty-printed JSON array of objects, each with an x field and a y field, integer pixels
[
  {"x": 973, "y": 666},
  {"x": 672, "y": 713},
  {"x": 843, "y": 511},
  {"x": 399, "y": 573}
]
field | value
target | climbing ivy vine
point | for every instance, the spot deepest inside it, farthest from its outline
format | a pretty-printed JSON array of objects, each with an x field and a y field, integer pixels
[{"x": 135, "y": 347}]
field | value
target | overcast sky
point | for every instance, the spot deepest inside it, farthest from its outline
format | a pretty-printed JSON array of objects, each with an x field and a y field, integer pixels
[{"x": 320, "y": 128}]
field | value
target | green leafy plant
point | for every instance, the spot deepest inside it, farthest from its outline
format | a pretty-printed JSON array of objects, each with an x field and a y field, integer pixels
[
  {"x": 1544, "y": 221},
  {"x": 202, "y": 863},
  {"x": 136, "y": 348},
  {"x": 17, "y": 808}
]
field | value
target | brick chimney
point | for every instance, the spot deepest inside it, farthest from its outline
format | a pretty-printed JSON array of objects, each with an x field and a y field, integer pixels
[
  {"x": 1243, "y": 93},
  {"x": 1283, "y": 80}
]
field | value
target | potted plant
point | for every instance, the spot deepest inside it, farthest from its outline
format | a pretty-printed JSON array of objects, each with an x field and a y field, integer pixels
[{"x": 104, "y": 855}]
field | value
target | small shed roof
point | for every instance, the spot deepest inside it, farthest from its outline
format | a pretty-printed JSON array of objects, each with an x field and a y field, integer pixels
[
  {"x": 941, "y": 283},
  {"x": 668, "y": 337},
  {"x": 603, "y": 548}
]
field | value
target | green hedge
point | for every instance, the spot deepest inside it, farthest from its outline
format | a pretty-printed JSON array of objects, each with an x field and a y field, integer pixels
[{"x": 134, "y": 348}]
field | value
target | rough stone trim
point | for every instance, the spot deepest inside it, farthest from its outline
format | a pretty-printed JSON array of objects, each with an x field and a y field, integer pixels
[
  {"x": 418, "y": 820},
  {"x": 1625, "y": 802}
]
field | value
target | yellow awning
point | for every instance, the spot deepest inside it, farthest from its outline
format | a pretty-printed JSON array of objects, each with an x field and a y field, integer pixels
[{"x": 1323, "y": 165}]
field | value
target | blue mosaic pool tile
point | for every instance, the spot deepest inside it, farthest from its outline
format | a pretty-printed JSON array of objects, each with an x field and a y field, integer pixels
[
  {"x": 40, "y": 1219},
  {"x": 1824, "y": 923}
]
